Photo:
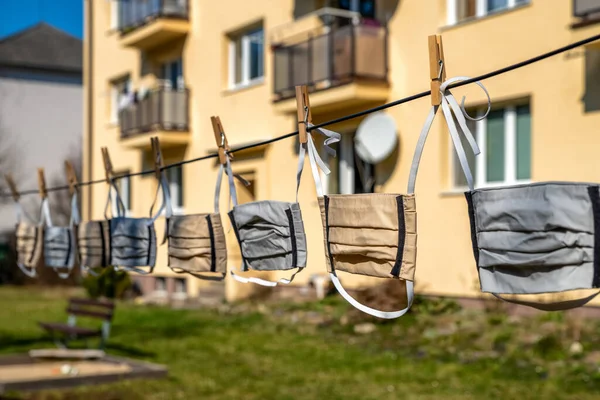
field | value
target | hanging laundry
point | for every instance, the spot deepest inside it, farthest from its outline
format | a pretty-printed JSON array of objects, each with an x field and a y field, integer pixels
[
  {"x": 29, "y": 235},
  {"x": 271, "y": 233},
  {"x": 132, "y": 240},
  {"x": 537, "y": 238},
  {"x": 59, "y": 242}
]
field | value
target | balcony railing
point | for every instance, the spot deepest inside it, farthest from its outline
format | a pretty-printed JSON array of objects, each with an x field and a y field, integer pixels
[
  {"x": 163, "y": 109},
  {"x": 341, "y": 55},
  {"x": 585, "y": 8},
  {"x": 135, "y": 13}
]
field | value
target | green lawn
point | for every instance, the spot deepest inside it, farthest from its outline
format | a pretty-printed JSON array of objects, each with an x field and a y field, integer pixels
[{"x": 282, "y": 353}]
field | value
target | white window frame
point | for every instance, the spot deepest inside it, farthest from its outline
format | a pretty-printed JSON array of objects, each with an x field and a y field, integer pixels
[
  {"x": 245, "y": 41},
  {"x": 125, "y": 189},
  {"x": 114, "y": 14},
  {"x": 480, "y": 10},
  {"x": 510, "y": 153},
  {"x": 177, "y": 203}
]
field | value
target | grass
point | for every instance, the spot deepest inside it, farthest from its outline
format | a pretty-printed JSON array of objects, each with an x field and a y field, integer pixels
[{"x": 276, "y": 354}]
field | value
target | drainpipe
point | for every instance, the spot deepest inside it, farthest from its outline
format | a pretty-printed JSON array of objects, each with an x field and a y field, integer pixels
[{"x": 90, "y": 103}]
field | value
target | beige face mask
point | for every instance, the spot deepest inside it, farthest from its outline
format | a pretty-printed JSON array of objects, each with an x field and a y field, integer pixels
[
  {"x": 197, "y": 242},
  {"x": 366, "y": 234},
  {"x": 30, "y": 240}
]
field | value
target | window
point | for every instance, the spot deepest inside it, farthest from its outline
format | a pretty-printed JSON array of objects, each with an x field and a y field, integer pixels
[
  {"x": 175, "y": 179},
  {"x": 348, "y": 174},
  {"x": 504, "y": 138},
  {"x": 124, "y": 187},
  {"x": 460, "y": 10},
  {"x": 172, "y": 74},
  {"x": 246, "y": 58},
  {"x": 180, "y": 285},
  {"x": 366, "y": 8},
  {"x": 120, "y": 97},
  {"x": 160, "y": 284}
]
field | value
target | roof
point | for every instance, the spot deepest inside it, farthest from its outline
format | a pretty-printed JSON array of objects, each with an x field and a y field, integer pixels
[{"x": 42, "y": 47}]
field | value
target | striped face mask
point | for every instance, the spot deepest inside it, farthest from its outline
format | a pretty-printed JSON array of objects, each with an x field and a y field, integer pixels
[
  {"x": 271, "y": 233},
  {"x": 30, "y": 241},
  {"x": 132, "y": 240},
  {"x": 196, "y": 242},
  {"x": 59, "y": 241}
]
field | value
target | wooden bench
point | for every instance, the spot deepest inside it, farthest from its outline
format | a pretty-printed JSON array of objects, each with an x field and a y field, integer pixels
[{"x": 63, "y": 333}]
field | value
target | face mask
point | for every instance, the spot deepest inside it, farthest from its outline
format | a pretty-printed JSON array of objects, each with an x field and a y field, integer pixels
[
  {"x": 270, "y": 234},
  {"x": 196, "y": 242},
  {"x": 29, "y": 247},
  {"x": 132, "y": 240},
  {"x": 93, "y": 242},
  {"x": 30, "y": 241},
  {"x": 527, "y": 239},
  {"x": 537, "y": 238},
  {"x": 59, "y": 242},
  {"x": 365, "y": 234}
]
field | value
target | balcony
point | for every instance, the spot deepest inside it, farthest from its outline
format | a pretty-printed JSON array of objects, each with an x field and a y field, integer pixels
[
  {"x": 345, "y": 66},
  {"x": 163, "y": 112},
  {"x": 145, "y": 24}
]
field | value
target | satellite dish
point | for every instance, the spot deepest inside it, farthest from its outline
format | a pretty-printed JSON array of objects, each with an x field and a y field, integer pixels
[{"x": 376, "y": 138}]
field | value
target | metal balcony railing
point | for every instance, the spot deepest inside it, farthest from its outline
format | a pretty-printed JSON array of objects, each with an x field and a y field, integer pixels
[
  {"x": 163, "y": 109},
  {"x": 585, "y": 8},
  {"x": 135, "y": 13},
  {"x": 341, "y": 55}
]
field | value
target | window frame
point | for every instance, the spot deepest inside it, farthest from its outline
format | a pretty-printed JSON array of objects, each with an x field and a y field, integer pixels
[
  {"x": 481, "y": 10},
  {"x": 244, "y": 38},
  {"x": 510, "y": 151},
  {"x": 177, "y": 203},
  {"x": 124, "y": 187},
  {"x": 346, "y": 170}
]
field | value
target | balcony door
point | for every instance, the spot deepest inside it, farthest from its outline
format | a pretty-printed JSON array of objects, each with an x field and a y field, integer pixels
[
  {"x": 172, "y": 74},
  {"x": 366, "y": 8}
]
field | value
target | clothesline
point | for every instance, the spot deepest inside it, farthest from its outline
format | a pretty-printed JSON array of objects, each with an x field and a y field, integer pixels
[{"x": 340, "y": 119}]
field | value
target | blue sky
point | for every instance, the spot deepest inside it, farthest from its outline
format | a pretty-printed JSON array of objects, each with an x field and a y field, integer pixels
[{"x": 16, "y": 15}]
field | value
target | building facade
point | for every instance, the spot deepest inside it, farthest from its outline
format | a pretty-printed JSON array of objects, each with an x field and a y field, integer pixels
[{"x": 184, "y": 61}]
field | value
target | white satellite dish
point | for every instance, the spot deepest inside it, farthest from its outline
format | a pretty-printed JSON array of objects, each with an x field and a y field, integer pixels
[{"x": 376, "y": 138}]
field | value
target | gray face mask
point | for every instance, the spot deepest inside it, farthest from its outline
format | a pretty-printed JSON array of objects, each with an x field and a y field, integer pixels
[
  {"x": 527, "y": 239},
  {"x": 537, "y": 238},
  {"x": 59, "y": 241},
  {"x": 270, "y": 234},
  {"x": 132, "y": 240}
]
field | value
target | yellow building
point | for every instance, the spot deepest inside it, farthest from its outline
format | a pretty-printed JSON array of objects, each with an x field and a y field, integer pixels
[{"x": 189, "y": 59}]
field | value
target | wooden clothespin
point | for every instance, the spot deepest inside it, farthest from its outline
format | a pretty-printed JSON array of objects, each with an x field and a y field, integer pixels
[
  {"x": 108, "y": 169},
  {"x": 304, "y": 113},
  {"x": 71, "y": 177},
  {"x": 12, "y": 186},
  {"x": 42, "y": 183},
  {"x": 437, "y": 68},
  {"x": 220, "y": 138},
  {"x": 158, "y": 158}
]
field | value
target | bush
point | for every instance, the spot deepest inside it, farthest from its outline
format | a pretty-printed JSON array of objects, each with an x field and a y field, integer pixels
[{"x": 110, "y": 283}]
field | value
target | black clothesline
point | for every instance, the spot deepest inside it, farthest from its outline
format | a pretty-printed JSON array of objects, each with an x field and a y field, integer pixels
[{"x": 341, "y": 119}]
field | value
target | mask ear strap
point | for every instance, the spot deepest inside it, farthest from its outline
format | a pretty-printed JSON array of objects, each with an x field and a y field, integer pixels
[
  {"x": 451, "y": 110},
  {"x": 372, "y": 311},
  {"x": 554, "y": 306},
  {"x": 264, "y": 282}
]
